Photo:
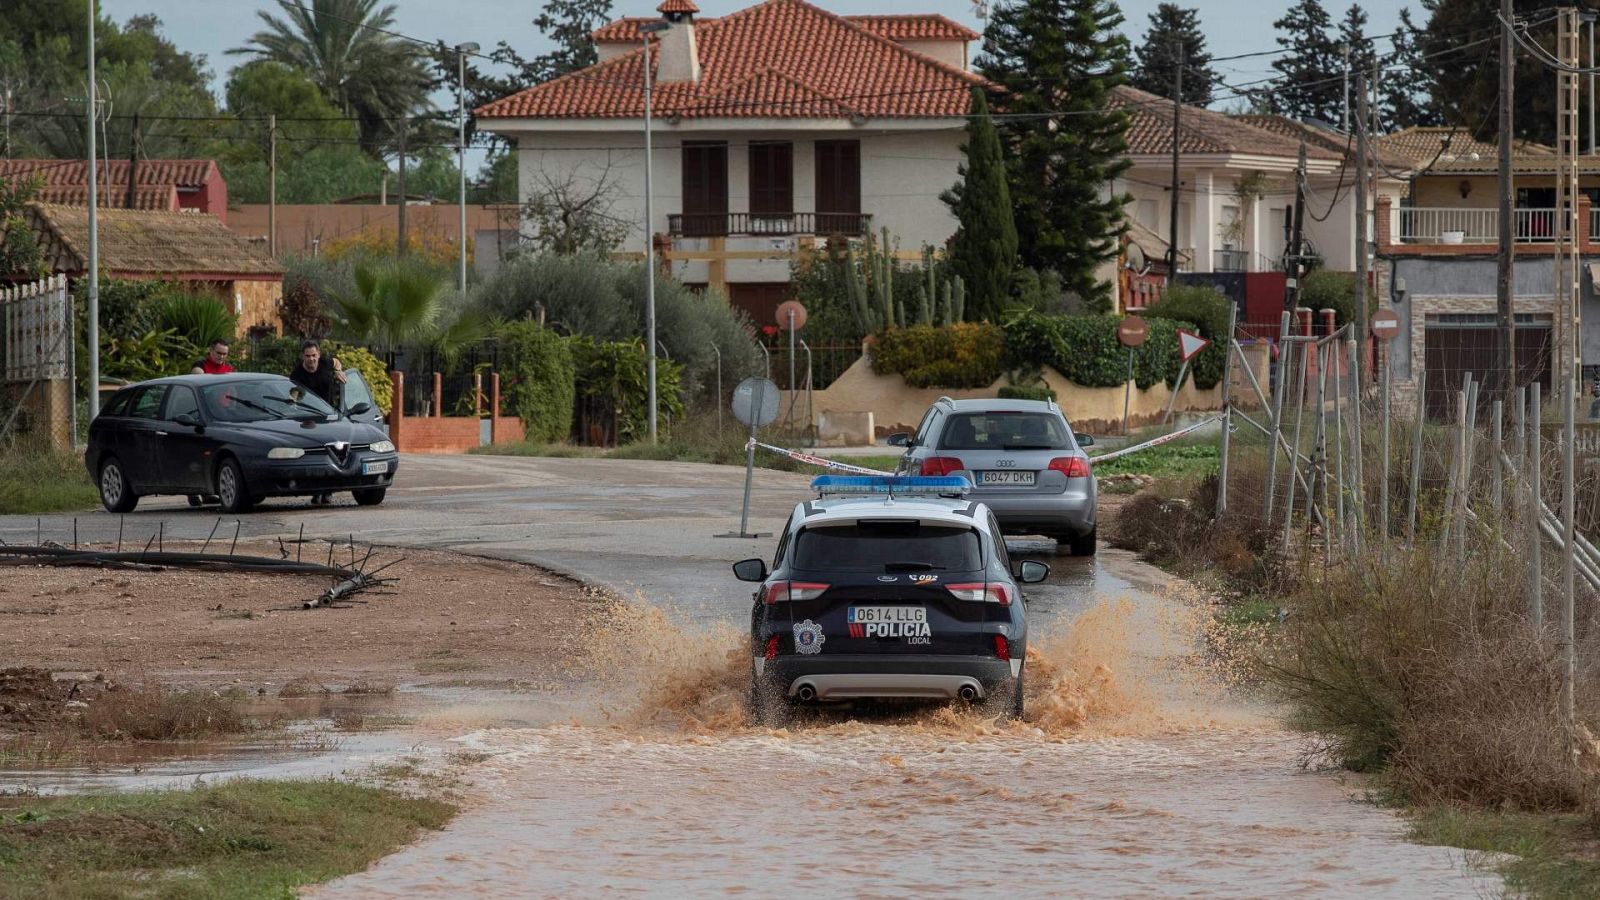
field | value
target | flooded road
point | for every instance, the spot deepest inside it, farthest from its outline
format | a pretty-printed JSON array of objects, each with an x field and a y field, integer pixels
[{"x": 1137, "y": 773}]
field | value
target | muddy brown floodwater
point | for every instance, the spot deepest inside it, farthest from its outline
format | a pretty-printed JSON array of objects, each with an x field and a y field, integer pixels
[{"x": 1137, "y": 773}]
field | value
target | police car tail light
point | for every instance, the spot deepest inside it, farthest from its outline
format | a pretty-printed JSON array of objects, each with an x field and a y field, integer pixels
[
  {"x": 792, "y": 590},
  {"x": 772, "y": 647},
  {"x": 941, "y": 465},
  {"x": 1002, "y": 648},
  {"x": 981, "y": 592},
  {"x": 1070, "y": 466}
]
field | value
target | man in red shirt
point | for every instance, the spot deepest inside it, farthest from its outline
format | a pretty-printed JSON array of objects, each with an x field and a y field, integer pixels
[{"x": 216, "y": 361}]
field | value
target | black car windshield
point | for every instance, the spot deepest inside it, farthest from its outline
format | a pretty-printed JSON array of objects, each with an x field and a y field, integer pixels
[
  {"x": 887, "y": 547},
  {"x": 1005, "y": 431},
  {"x": 262, "y": 401}
]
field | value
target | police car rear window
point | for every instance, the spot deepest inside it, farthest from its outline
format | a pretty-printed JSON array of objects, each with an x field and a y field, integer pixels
[{"x": 887, "y": 547}]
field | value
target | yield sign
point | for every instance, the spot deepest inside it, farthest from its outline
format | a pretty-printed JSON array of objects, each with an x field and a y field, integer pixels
[{"x": 1190, "y": 344}]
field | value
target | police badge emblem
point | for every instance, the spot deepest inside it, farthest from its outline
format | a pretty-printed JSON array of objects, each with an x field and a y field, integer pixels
[{"x": 808, "y": 637}]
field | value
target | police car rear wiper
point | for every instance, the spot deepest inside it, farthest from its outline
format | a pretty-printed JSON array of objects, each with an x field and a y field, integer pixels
[{"x": 910, "y": 567}]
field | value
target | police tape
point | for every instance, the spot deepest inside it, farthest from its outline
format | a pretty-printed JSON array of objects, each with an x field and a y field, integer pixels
[
  {"x": 827, "y": 463},
  {"x": 1153, "y": 442},
  {"x": 822, "y": 461}
]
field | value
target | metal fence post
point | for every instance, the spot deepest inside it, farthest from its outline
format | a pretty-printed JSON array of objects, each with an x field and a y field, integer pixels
[
  {"x": 1497, "y": 430},
  {"x": 1416, "y": 458},
  {"x": 1227, "y": 409},
  {"x": 1535, "y": 498},
  {"x": 1285, "y": 356}
]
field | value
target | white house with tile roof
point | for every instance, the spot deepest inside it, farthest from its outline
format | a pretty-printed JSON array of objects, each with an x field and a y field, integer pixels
[{"x": 774, "y": 127}]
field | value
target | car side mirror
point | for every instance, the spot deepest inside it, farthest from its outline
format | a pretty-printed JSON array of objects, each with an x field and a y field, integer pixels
[
  {"x": 186, "y": 420},
  {"x": 750, "y": 570},
  {"x": 358, "y": 409},
  {"x": 1032, "y": 572},
  {"x": 1084, "y": 440},
  {"x": 899, "y": 439}
]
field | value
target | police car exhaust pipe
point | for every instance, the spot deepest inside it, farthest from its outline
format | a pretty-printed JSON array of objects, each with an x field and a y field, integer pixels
[
  {"x": 969, "y": 693},
  {"x": 806, "y": 693}
]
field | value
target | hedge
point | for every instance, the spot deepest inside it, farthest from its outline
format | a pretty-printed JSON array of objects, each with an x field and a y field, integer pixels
[
  {"x": 1085, "y": 348},
  {"x": 1210, "y": 310},
  {"x": 965, "y": 355},
  {"x": 537, "y": 380}
]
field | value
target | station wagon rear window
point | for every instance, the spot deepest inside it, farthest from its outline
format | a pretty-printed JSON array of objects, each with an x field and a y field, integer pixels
[
  {"x": 888, "y": 547},
  {"x": 1005, "y": 431}
]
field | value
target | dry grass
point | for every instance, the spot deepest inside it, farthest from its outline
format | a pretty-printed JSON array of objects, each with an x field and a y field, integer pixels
[{"x": 154, "y": 713}]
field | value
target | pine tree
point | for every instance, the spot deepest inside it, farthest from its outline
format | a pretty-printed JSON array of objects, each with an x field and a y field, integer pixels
[
  {"x": 1460, "y": 44},
  {"x": 1357, "y": 57},
  {"x": 1404, "y": 99},
  {"x": 1311, "y": 73},
  {"x": 1058, "y": 61},
  {"x": 984, "y": 248},
  {"x": 1171, "y": 27}
]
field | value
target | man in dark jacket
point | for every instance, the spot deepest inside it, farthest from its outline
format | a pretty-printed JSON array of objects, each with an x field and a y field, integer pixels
[{"x": 319, "y": 377}]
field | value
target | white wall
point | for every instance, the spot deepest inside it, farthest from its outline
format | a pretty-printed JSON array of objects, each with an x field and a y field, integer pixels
[{"x": 902, "y": 175}]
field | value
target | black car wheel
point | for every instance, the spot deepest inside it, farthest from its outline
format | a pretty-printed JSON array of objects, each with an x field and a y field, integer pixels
[
  {"x": 1007, "y": 705},
  {"x": 116, "y": 494},
  {"x": 768, "y": 707},
  {"x": 231, "y": 490},
  {"x": 369, "y": 496},
  {"x": 1076, "y": 544}
]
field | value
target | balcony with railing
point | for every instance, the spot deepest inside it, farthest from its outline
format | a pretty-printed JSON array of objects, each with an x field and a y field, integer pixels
[
  {"x": 744, "y": 224},
  {"x": 1440, "y": 225},
  {"x": 1243, "y": 261}
]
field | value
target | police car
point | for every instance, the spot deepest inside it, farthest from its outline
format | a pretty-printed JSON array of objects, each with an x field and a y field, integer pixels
[{"x": 888, "y": 587}]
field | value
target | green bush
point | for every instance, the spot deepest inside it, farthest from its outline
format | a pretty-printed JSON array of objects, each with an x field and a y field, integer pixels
[
  {"x": 967, "y": 355},
  {"x": 1025, "y": 392},
  {"x": 1085, "y": 349},
  {"x": 537, "y": 380},
  {"x": 612, "y": 387},
  {"x": 1209, "y": 310},
  {"x": 1325, "y": 289},
  {"x": 200, "y": 319},
  {"x": 371, "y": 368}
]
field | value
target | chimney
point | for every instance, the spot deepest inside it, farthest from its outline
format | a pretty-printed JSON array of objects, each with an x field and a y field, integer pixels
[{"x": 679, "y": 58}]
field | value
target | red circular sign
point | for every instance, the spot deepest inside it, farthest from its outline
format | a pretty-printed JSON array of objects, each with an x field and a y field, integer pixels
[
  {"x": 1132, "y": 331},
  {"x": 788, "y": 308},
  {"x": 1385, "y": 325}
]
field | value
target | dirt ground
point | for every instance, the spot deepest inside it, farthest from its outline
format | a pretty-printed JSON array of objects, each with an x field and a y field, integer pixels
[{"x": 450, "y": 618}]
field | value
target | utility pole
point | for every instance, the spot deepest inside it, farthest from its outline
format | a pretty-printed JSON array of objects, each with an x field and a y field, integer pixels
[
  {"x": 1293, "y": 255},
  {"x": 1344, "y": 110},
  {"x": 133, "y": 162},
  {"x": 1177, "y": 131},
  {"x": 94, "y": 241},
  {"x": 645, "y": 30},
  {"x": 1505, "y": 317},
  {"x": 461, "y": 152},
  {"x": 1361, "y": 218},
  {"x": 1568, "y": 307},
  {"x": 272, "y": 184},
  {"x": 400, "y": 226}
]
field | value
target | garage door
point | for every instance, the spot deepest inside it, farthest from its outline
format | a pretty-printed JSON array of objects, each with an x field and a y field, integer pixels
[{"x": 1455, "y": 344}]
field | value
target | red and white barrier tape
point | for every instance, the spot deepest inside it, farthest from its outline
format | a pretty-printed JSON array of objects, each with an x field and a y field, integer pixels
[
  {"x": 822, "y": 461},
  {"x": 1154, "y": 442}
]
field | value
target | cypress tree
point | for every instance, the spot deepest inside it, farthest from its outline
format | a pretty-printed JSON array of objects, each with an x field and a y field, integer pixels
[
  {"x": 1058, "y": 62},
  {"x": 1311, "y": 80},
  {"x": 984, "y": 248},
  {"x": 1171, "y": 27}
]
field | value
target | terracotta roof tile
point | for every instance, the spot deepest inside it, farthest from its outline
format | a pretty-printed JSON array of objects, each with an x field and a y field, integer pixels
[
  {"x": 177, "y": 244},
  {"x": 1326, "y": 138},
  {"x": 1203, "y": 130},
  {"x": 1466, "y": 155},
  {"x": 907, "y": 27},
  {"x": 677, "y": 6},
  {"x": 184, "y": 173},
  {"x": 145, "y": 196},
  {"x": 825, "y": 62}
]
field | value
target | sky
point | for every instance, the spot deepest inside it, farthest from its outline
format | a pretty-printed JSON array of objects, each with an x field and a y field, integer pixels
[{"x": 212, "y": 27}]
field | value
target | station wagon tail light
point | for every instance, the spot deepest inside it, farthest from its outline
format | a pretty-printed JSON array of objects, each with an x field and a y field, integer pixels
[
  {"x": 1002, "y": 649},
  {"x": 779, "y": 591},
  {"x": 941, "y": 465},
  {"x": 285, "y": 453},
  {"x": 1070, "y": 466},
  {"x": 981, "y": 592}
]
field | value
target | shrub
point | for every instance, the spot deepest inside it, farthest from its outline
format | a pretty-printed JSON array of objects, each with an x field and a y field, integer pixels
[
  {"x": 1085, "y": 349},
  {"x": 1209, "y": 310},
  {"x": 966, "y": 355},
  {"x": 200, "y": 319},
  {"x": 537, "y": 380},
  {"x": 612, "y": 386},
  {"x": 1325, "y": 289},
  {"x": 1026, "y": 392}
]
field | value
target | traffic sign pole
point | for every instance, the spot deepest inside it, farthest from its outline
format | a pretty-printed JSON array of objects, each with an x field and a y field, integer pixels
[
  {"x": 755, "y": 403},
  {"x": 1131, "y": 332}
]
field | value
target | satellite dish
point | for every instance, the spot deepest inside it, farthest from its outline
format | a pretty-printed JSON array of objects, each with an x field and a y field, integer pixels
[{"x": 1135, "y": 256}]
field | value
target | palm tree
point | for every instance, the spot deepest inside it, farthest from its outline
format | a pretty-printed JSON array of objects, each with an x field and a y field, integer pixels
[
  {"x": 344, "y": 47},
  {"x": 396, "y": 303}
]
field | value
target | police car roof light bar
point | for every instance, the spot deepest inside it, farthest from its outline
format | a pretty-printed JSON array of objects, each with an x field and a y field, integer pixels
[{"x": 891, "y": 485}]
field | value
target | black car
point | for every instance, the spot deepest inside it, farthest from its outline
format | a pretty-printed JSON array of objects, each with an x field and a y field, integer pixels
[
  {"x": 241, "y": 437},
  {"x": 903, "y": 594}
]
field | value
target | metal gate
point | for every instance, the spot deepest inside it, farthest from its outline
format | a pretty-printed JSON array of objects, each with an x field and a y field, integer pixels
[{"x": 1457, "y": 343}]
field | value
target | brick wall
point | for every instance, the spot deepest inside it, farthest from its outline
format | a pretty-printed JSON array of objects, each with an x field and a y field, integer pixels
[{"x": 449, "y": 434}]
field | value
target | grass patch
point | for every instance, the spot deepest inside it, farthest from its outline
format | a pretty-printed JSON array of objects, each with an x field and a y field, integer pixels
[
  {"x": 236, "y": 840},
  {"x": 1555, "y": 855},
  {"x": 1175, "y": 460},
  {"x": 41, "y": 480}
]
